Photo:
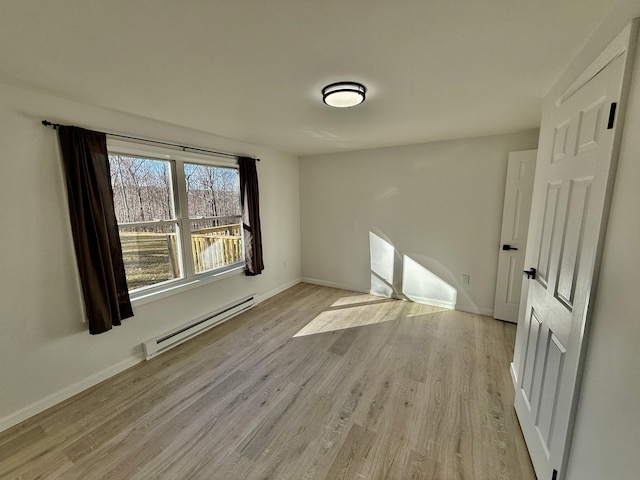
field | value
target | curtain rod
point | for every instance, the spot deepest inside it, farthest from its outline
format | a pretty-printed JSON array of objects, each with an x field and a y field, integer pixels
[{"x": 47, "y": 123}]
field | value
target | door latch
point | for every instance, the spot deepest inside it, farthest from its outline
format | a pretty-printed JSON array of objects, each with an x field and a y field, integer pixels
[
  {"x": 531, "y": 273},
  {"x": 506, "y": 246}
]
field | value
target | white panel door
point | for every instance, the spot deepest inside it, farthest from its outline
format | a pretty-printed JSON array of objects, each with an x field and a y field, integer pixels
[
  {"x": 573, "y": 185},
  {"x": 513, "y": 235}
]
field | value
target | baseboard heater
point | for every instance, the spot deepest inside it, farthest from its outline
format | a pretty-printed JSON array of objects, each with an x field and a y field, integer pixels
[{"x": 160, "y": 344}]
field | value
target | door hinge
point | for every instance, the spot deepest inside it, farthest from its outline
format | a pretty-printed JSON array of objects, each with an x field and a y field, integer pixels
[
  {"x": 612, "y": 115},
  {"x": 554, "y": 476}
]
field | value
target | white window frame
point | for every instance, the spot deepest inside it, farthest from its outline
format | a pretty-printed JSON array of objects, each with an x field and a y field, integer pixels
[{"x": 177, "y": 159}]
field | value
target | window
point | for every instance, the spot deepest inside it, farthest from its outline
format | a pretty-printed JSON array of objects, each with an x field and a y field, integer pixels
[{"x": 179, "y": 216}]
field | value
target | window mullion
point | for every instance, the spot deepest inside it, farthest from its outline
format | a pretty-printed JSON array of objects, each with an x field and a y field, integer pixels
[{"x": 182, "y": 212}]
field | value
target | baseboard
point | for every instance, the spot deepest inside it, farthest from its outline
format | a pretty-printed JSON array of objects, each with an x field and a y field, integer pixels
[
  {"x": 475, "y": 309},
  {"x": 383, "y": 295},
  {"x": 437, "y": 303},
  {"x": 433, "y": 301},
  {"x": 341, "y": 286},
  {"x": 67, "y": 392},
  {"x": 265, "y": 296}
]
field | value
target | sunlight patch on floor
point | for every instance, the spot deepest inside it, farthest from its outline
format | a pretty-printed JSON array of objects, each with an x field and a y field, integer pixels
[
  {"x": 362, "y": 310},
  {"x": 350, "y": 317},
  {"x": 420, "y": 309},
  {"x": 360, "y": 299}
]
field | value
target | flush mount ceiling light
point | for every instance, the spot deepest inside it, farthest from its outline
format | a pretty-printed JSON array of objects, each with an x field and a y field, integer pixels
[{"x": 343, "y": 94}]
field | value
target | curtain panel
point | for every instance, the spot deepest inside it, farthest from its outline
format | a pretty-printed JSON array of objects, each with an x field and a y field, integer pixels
[
  {"x": 95, "y": 228},
  {"x": 251, "y": 215}
]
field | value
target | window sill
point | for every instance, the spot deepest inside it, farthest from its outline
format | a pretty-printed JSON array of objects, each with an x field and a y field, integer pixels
[{"x": 141, "y": 298}]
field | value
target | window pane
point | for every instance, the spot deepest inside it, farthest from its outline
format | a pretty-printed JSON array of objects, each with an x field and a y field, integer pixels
[
  {"x": 212, "y": 191},
  {"x": 216, "y": 243},
  {"x": 150, "y": 254},
  {"x": 142, "y": 189}
]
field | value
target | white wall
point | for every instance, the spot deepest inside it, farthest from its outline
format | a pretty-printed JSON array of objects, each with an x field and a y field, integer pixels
[
  {"x": 439, "y": 203},
  {"x": 46, "y": 353},
  {"x": 607, "y": 433}
]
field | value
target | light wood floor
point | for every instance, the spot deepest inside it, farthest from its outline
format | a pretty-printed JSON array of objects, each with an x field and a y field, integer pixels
[{"x": 315, "y": 383}]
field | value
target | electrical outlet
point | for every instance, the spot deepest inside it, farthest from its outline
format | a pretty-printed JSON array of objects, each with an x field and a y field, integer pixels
[{"x": 466, "y": 279}]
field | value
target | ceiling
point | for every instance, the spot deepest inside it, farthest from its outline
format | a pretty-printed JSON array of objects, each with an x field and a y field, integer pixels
[{"x": 252, "y": 70}]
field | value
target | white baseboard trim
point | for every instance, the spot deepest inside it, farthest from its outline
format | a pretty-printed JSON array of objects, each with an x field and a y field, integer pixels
[
  {"x": 475, "y": 309},
  {"x": 514, "y": 374},
  {"x": 462, "y": 307},
  {"x": 265, "y": 296},
  {"x": 67, "y": 392},
  {"x": 341, "y": 286},
  {"x": 433, "y": 301},
  {"x": 55, "y": 398},
  {"x": 384, "y": 295}
]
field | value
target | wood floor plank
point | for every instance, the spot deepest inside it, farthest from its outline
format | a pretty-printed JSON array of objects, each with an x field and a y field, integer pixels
[
  {"x": 344, "y": 341},
  {"x": 294, "y": 440},
  {"x": 352, "y": 455},
  {"x": 421, "y": 467},
  {"x": 314, "y": 383},
  {"x": 391, "y": 447}
]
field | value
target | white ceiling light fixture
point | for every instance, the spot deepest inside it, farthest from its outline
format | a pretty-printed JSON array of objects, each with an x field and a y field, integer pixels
[{"x": 344, "y": 94}]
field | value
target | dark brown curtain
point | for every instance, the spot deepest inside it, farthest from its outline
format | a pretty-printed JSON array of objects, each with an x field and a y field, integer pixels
[
  {"x": 251, "y": 216},
  {"x": 94, "y": 226}
]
